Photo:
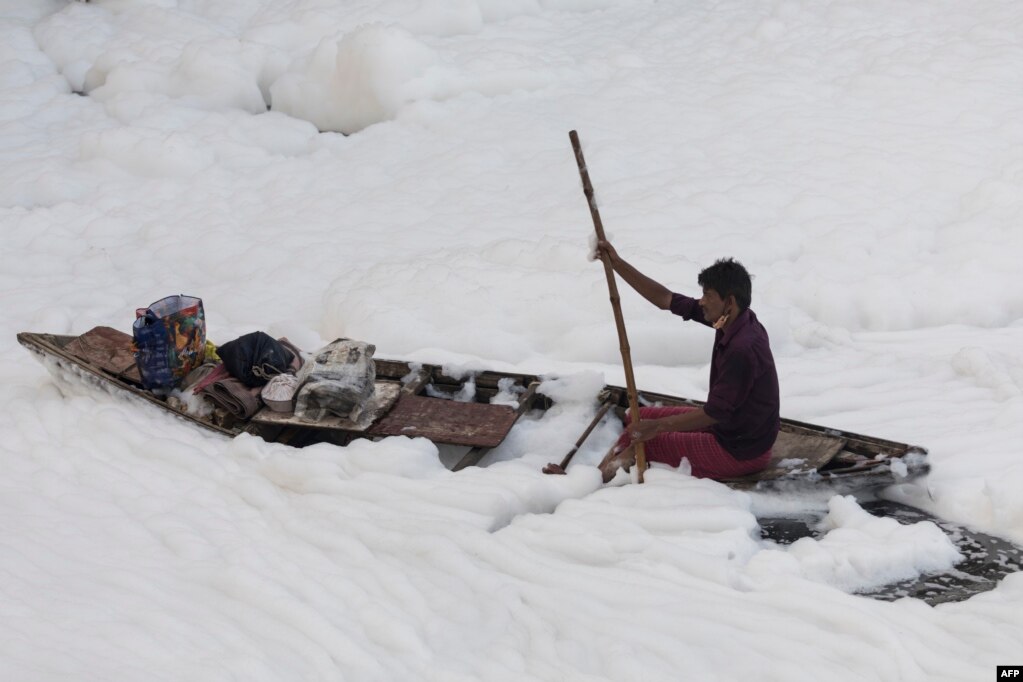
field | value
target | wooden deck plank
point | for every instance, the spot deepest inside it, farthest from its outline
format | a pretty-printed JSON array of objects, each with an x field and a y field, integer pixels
[
  {"x": 447, "y": 421},
  {"x": 473, "y": 457}
]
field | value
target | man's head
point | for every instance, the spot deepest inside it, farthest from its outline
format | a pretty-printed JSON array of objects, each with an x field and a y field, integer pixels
[{"x": 727, "y": 289}]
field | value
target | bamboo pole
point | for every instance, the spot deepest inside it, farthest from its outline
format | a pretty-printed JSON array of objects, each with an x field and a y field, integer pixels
[
  {"x": 616, "y": 304},
  {"x": 560, "y": 468}
]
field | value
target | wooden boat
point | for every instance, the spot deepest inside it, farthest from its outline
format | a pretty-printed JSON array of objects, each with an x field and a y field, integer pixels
[{"x": 410, "y": 400}]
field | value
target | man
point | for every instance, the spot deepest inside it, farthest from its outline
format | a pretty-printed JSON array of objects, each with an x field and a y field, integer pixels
[{"x": 732, "y": 434}]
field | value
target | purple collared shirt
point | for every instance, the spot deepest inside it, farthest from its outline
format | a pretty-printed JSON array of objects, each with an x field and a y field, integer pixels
[{"x": 743, "y": 394}]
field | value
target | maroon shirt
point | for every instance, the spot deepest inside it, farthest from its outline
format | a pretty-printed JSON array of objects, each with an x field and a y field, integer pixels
[{"x": 743, "y": 394}]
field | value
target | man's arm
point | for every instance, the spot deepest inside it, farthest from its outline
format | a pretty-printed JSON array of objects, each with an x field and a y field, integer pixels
[
  {"x": 652, "y": 291},
  {"x": 688, "y": 421}
]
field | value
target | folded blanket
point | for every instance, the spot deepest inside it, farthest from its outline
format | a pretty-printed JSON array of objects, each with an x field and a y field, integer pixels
[{"x": 235, "y": 397}]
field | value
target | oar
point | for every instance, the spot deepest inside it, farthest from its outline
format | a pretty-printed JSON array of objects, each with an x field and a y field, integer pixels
[
  {"x": 616, "y": 305},
  {"x": 560, "y": 468}
]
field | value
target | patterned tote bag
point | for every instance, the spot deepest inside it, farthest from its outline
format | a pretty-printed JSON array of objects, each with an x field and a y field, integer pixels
[{"x": 170, "y": 340}]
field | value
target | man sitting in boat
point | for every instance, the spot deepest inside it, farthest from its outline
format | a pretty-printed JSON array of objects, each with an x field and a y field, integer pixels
[{"x": 732, "y": 434}]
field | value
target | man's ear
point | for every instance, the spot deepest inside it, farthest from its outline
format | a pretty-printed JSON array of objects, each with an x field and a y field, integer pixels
[{"x": 732, "y": 304}]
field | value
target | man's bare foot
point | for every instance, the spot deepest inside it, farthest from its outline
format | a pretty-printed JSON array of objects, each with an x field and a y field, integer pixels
[{"x": 616, "y": 460}]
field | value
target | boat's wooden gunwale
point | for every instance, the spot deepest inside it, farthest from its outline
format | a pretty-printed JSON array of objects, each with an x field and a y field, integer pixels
[{"x": 53, "y": 344}]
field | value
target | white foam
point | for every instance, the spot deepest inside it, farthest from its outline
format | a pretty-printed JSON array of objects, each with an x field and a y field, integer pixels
[
  {"x": 364, "y": 78},
  {"x": 863, "y": 165}
]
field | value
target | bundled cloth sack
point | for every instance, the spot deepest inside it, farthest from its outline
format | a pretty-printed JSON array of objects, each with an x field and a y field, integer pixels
[
  {"x": 255, "y": 358},
  {"x": 225, "y": 391},
  {"x": 337, "y": 380},
  {"x": 170, "y": 341}
]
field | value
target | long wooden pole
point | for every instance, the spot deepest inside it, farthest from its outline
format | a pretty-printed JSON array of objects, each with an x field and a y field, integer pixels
[
  {"x": 616, "y": 304},
  {"x": 560, "y": 468}
]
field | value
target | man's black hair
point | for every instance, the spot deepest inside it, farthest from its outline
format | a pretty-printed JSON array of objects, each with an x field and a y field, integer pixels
[{"x": 729, "y": 278}]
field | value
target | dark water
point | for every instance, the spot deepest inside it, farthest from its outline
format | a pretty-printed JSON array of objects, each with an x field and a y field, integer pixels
[{"x": 988, "y": 559}]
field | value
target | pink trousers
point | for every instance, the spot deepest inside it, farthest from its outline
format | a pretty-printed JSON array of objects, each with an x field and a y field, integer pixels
[{"x": 706, "y": 456}]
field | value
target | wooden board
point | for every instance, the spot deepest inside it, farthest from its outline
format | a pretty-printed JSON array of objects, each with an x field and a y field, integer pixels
[
  {"x": 473, "y": 457},
  {"x": 107, "y": 349},
  {"x": 447, "y": 421},
  {"x": 385, "y": 395}
]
